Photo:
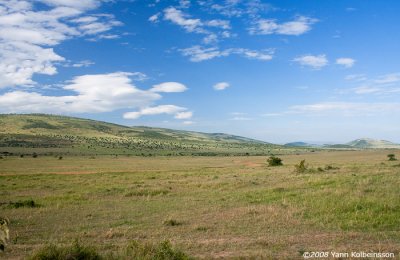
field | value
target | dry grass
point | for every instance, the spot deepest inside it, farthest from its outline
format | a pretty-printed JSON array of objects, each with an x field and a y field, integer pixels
[{"x": 226, "y": 207}]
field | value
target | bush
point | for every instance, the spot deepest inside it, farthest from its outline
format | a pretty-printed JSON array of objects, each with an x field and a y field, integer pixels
[
  {"x": 301, "y": 167},
  {"x": 161, "y": 251},
  {"x": 172, "y": 222},
  {"x": 391, "y": 157},
  {"x": 23, "y": 204},
  {"x": 274, "y": 161},
  {"x": 76, "y": 251}
]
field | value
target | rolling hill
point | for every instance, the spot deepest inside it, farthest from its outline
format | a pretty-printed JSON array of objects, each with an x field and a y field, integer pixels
[
  {"x": 366, "y": 143},
  {"x": 50, "y": 134}
]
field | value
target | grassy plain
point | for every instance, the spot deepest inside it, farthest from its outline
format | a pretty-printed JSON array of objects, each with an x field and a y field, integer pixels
[{"x": 209, "y": 207}]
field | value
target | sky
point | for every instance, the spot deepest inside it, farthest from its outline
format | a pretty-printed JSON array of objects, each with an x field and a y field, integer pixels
[{"x": 324, "y": 71}]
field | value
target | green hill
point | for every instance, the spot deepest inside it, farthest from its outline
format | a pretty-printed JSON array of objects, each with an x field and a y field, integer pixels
[{"x": 50, "y": 134}]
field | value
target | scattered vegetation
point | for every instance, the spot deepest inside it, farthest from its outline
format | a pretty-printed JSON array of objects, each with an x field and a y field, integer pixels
[
  {"x": 172, "y": 222},
  {"x": 22, "y": 204},
  {"x": 301, "y": 167},
  {"x": 77, "y": 251},
  {"x": 392, "y": 157},
  {"x": 274, "y": 161},
  {"x": 146, "y": 193},
  {"x": 149, "y": 251}
]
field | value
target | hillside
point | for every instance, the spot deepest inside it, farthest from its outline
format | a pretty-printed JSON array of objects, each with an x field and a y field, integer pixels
[
  {"x": 61, "y": 134},
  {"x": 372, "y": 143},
  {"x": 366, "y": 143}
]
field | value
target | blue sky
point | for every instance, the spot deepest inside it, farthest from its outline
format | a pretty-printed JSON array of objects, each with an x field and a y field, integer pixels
[{"x": 278, "y": 71}]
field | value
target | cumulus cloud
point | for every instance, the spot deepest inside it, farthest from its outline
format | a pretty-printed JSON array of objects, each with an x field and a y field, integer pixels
[
  {"x": 315, "y": 62},
  {"x": 28, "y": 35},
  {"x": 94, "y": 94},
  {"x": 178, "y": 112},
  {"x": 89, "y": 94},
  {"x": 197, "y": 53},
  {"x": 221, "y": 86},
  {"x": 346, "y": 62},
  {"x": 169, "y": 87},
  {"x": 300, "y": 25}
]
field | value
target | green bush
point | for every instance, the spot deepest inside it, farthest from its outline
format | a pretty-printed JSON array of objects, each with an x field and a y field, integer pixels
[
  {"x": 301, "y": 167},
  {"x": 161, "y": 251},
  {"x": 23, "y": 204},
  {"x": 76, "y": 251},
  {"x": 391, "y": 157},
  {"x": 274, "y": 161}
]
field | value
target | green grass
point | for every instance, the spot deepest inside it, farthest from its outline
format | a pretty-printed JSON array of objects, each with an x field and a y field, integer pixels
[{"x": 208, "y": 207}]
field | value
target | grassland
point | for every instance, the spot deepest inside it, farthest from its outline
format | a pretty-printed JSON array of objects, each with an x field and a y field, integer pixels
[{"x": 209, "y": 207}]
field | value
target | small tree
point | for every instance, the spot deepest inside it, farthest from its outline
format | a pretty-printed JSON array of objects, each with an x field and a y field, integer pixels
[
  {"x": 392, "y": 157},
  {"x": 301, "y": 167},
  {"x": 274, "y": 161}
]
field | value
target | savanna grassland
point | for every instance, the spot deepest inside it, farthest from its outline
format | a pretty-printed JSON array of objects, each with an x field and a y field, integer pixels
[{"x": 208, "y": 207}]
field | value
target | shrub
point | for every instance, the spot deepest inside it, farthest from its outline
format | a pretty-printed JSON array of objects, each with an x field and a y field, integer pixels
[
  {"x": 34, "y": 155},
  {"x": 23, "y": 204},
  {"x": 172, "y": 222},
  {"x": 161, "y": 251},
  {"x": 391, "y": 157},
  {"x": 75, "y": 251},
  {"x": 301, "y": 167},
  {"x": 274, "y": 161}
]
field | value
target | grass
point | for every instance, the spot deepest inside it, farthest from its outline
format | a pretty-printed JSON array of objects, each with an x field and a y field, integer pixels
[{"x": 220, "y": 207}]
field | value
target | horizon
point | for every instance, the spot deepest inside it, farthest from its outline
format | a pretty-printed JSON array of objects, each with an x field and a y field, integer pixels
[
  {"x": 315, "y": 142},
  {"x": 275, "y": 71}
]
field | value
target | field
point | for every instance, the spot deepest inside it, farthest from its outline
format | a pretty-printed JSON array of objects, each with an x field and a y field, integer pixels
[{"x": 209, "y": 207}]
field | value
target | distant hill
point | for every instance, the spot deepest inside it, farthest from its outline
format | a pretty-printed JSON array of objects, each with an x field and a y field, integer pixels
[
  {"x": 372, "y": 143},
  {"x": 61, "y": 134},
  {"x": 366, "y": 143},
  {"x": 300, "y": 144}
]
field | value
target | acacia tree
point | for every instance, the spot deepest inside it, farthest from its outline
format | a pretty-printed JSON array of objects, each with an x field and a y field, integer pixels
[{"x": 392, "y": 157}]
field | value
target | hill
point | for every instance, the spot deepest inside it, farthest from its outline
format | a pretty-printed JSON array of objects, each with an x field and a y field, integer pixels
[
  {"x": 300, "y": 144},
  {"x": 52, "y": 134},
  {"x": 372, "y": 143},
  {"x": 366, "y": 143}
]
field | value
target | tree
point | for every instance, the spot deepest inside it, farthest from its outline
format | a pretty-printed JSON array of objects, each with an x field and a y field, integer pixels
[{"x": 392, "y": 157}]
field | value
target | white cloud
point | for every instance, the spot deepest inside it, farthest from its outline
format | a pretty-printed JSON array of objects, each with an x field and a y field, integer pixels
[
  {"x": 221, "y": 86},
  {"x": 154, "y": 18},
  {"x": 197, "y": 53},
  {"x": 300, "y": 25},
  {"x": 184, "y": 115},
  {"x": 346, "y": 62},
  {"x": 356, "y": 77},
  {"x": 316, "y": 62},
  {"x": 240, "y": 118},
  {"x": 382, "y": 85},
  {"x": 27, "y": 35},
  {"x": 90, "y": 94},
  {"x": 388, "y": 78},
  {"x": 182, "y": 19},
  {"x": 348, "y": 108},
  {"x": 178, "y": 112},
  {"x": 83, "y": 63},
  {"x": 169, "y": 87},
  {"x": 178, "y": 17}
]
